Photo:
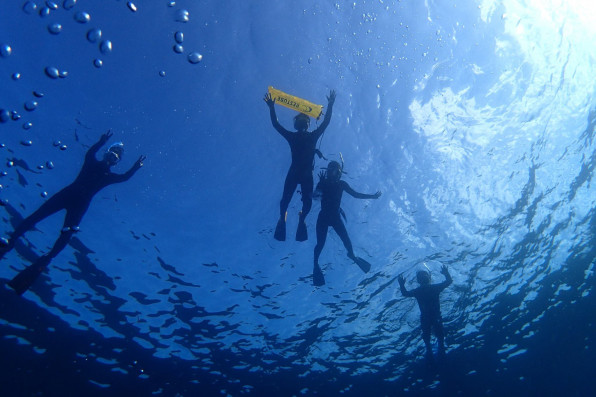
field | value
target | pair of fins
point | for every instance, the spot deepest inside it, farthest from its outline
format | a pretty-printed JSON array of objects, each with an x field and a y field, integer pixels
[
  {"x": 318, "y": 279},
  {"x": 280, "y": 230}
]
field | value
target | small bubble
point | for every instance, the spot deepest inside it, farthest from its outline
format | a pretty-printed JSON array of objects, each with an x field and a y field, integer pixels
[
  {"x": 27, "y": 126},
  {"x": 44, "y": 12},
  {"x": 162, "y": 73},
  {"x": 55, "y": 28},
  {"x": 9, "y": 163},
  {"x": 105, "y": 47},
  {"x": 93, "y": 35},
  {"x": 51, "y": 5},
  {"x": 63, "y": 74},
  {"x": 3, "y": 201},
  {"x": 97, "y": 63},
  {"x": 50, "y": 165},
  {"x": 195, "y": 57},
  {"x": 68, "y": 4},
  {"x": 82, "y": 17},
  {"x": 38, "y": 94},
  {"x": 178, "y": 49},
  {"x": 52, "y": 72},
  {"x": 57, "y": 143},
  {"x": 40, "y": 167},
  {"x": 4, "y": 115},
  {"x": 26, "y": 143},
  {"x": 44, "y": 194},
  {"x": 15, "y": 115},
  {"x": 31, "y": 106},
  {"x": 63, "y": 147},
  {"x": 132, "y": 6},
  {"x": 179, "y": 37},
  {"x": 182, "y": 16},
  {"x": 16, "y": 76},
  {"x": 29, "y": 7},
  {"x": 171, "y": 4},
  {"x": 5, "y": 50}
]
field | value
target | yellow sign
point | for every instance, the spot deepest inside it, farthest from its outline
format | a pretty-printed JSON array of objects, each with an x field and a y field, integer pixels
[{"x": 295, "y": 103}]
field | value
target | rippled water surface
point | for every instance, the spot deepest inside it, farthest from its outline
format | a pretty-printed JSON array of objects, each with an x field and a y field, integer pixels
[{"x": 476, "y": 120}]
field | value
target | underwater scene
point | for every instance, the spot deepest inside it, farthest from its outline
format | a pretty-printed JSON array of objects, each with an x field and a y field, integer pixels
[{"x": 308, "y": 198}]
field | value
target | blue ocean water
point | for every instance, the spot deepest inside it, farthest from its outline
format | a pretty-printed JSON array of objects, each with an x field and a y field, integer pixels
[{"x": 476, "y": 119}]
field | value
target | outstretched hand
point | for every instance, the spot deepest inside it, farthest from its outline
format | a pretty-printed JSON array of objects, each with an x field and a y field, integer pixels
[
  {"x": 268, "y": 100},
  {"x": 331, "y": 97},
  {"x": 444, "y": 271},
  {"x": 139, "y": 162},
  {"x": 105, "y": 137},
  {"x": 322, "y": 174},
  {"x": 401, "y": 280}
]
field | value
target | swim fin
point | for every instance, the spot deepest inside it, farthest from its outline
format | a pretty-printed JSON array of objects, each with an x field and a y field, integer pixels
[
  {"x": 317, "y": 277},
  {"x": 364, "y": 265},
  {"x": 280, "y": 229},
  {"x": 22, "y": 281},
  {"x": 301, "y": 233}
]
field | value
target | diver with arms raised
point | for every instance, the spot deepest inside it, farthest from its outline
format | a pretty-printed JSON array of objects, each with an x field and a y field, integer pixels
[
  {"x": 303, "y": 146},
  {"x": 330, "y": 189},
  {"x": 75, "y": 199},
  {"x": 427, "y": 295}
]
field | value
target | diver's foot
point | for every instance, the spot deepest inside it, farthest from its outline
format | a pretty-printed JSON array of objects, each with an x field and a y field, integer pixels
[
  {"x": 301, "y": 233},
  {"x": 22, "y": 281},
  {"x": 280, "y": 230},
  {"x": 317, "y": 276},
  {"x": 362, "y": 264}
]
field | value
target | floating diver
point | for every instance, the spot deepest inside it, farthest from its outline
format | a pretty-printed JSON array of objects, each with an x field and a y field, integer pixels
[
  {"x": 330, "y": 189},
  {"x": 427, "y": 295},
  {"x": 75, "y": 199},
  {"x": 303, "y": 147}
]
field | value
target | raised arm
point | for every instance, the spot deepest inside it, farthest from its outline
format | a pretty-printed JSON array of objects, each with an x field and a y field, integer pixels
[
  {"x": 348, "y": 189},
  {"x": 402, "y": 286},
  {"x": 97, "y": 145},
  {"x": 330, "y": 101},
  {"x": 128, "y": 174},
  {"x": 448, "y": 279},
  {"x": 271, "y": 103}
]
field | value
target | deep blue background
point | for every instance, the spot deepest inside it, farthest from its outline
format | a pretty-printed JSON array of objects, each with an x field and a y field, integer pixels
[{"x": 475, "y": 119}]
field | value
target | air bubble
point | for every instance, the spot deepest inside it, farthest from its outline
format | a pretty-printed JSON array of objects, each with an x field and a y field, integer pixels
[
  {"x": 28, "y": 125},
  {"x": 178, "y": 49},
  {"x": 15, "y": 115},
  {"x": 98, "y": 63},
  {"x": 26, "y": 143},
  {"x": 105, "y": 47},
  {"x": 57, "y": 143},
  {"x": 63, "y": 74},
  {"x": 52, "y": 5},
  {"x": 44, "y": 194},
  {"x": 195, "y": 57},
  {"x": 94, "y": 35},
  {"x": 162, "y": 73},
  {"x": 179, "y": 37},
  {"x": 132, "y": 6},
  {"x": 9, "y": 163},
  {"x": 31, "y": 106},
  {"x": 5, "y": 50},
  {"x": 182, "y": 16},
  {"x": 40, "y": 167},
  {"x": 16, "y": 76},
  {"x": 29, "y": 7},
  {"x": 4, "y": 115},
  {"x": 50, "y": 165},
  {"x": 82, "y": 17},
  {"x": 68, "y": 4},
  {"x": 55, "y": 28},
  {"x": 171, "y": 4},
  {"x": 38, "y": 94},
  {"x": 44, "y": 12},
  {"x": 52, "y": 72},
  {"x": 63, "y": 147}
]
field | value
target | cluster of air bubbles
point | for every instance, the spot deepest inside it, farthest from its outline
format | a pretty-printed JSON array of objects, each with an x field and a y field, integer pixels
[
  {"x": 105, "y": 46},
  {"x": 54, "y": 73},
  {"x": 193, "y": 57},
  {"x": 182, "y": 16}
]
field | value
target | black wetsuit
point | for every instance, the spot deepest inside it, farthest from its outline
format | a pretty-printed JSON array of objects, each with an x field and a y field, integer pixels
[
  {"x": 74, "y": 198},
  {"x": 430, "y": 309},
  {"x": 303, "y": 145},
  {"x": 330, "y": 215}
]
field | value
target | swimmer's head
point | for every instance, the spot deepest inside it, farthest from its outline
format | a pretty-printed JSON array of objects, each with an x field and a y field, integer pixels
[
  {"x": 334, "y": 170},
  {"x": 301, "y": 122},
  {"x": 423, "y": 277},
  {"x": 114, "y": 153}
]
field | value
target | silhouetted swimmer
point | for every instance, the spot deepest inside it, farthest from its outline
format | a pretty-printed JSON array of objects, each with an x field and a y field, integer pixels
[
  {"x": 75, "y": 199},
  {"x": 330, "y": 189},
  {"x": 427, "y": 295},
  {"x": 303, "y": 146}
]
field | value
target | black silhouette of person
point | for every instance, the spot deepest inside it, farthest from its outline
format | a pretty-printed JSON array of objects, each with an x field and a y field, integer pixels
[
  {"x": 75, "y": 199},
  {"x": 303, "y": 148},
  {"x": 427, "y": 295},
  {"x": 330, "y": 189}
]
